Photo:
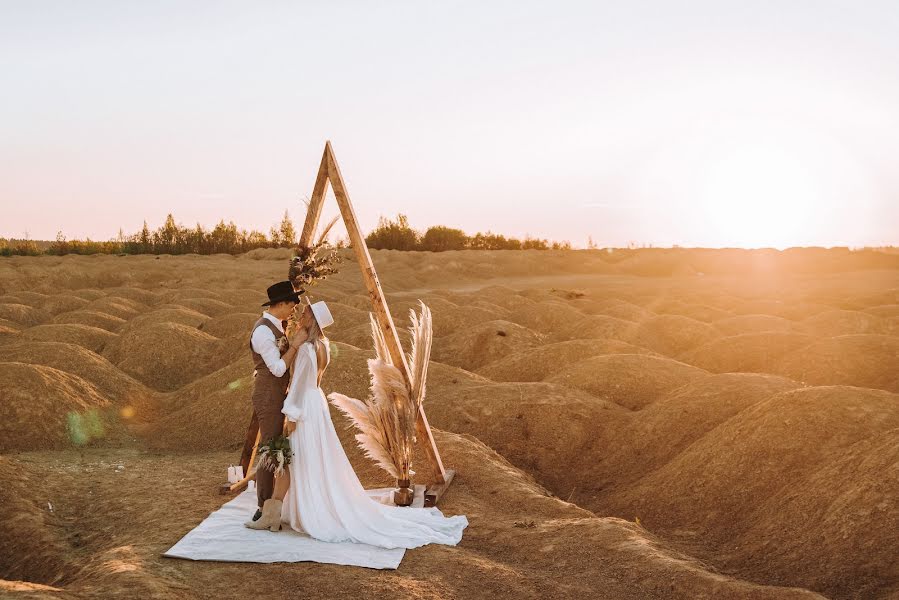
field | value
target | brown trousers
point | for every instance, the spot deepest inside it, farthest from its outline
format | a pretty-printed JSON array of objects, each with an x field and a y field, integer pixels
[{"x": 267, "y": 402}]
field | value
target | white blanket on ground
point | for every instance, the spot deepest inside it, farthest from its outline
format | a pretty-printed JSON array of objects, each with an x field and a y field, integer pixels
[{"x": 223, "y": 537}]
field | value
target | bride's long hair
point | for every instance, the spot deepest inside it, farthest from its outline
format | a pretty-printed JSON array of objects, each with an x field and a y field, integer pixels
[{"x": 322, "y": 347}]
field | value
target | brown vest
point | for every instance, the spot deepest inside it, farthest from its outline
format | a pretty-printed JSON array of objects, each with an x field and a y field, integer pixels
[{"x": 266, "y": 383}]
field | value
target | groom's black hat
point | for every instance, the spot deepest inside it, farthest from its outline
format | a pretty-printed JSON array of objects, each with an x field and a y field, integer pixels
[{"x": 282, "y": 292}]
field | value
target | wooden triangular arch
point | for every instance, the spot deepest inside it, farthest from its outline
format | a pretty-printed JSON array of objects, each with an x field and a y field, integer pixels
[{"x": 329, "y": 172}]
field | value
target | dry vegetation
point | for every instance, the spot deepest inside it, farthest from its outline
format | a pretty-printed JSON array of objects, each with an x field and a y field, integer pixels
[{"x": 633, "y": 424}]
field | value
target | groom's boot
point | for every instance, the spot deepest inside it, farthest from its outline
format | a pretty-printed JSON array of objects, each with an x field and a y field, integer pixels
[{"x": 271, "y": 516}]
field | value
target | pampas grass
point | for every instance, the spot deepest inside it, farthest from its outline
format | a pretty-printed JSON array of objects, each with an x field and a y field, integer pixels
[
  {"x": 386, "y": 419},
  {"x": 420, "y": 356}
]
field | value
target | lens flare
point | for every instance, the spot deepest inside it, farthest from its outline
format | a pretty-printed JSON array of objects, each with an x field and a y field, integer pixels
[{"x": 84, "y": 427}]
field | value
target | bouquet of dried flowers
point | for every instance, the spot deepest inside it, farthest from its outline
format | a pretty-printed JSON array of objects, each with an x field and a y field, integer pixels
[
  {"x": 275, "y": 454},
  {"x": 314, "y": 263}
]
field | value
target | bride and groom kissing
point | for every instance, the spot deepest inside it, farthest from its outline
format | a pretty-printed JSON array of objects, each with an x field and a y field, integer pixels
[{"x": 319, "y": 493}]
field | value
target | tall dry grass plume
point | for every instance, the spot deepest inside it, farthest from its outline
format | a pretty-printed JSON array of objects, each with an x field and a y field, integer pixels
[{"x": 386, "y": 419}]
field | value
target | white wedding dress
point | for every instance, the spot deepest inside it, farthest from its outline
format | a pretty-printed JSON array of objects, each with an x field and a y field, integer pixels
[{"x": 326, "y": 499}]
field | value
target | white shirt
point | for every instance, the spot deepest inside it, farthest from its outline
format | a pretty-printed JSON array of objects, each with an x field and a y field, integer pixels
[{"x": 264, "y": 343}]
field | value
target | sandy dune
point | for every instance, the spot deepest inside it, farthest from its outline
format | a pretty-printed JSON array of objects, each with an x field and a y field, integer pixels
[{"x": 655, "y": 424}]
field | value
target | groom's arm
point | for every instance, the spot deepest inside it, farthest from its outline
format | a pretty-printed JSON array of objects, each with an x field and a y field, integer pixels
[{"x": 265, "y": 344}]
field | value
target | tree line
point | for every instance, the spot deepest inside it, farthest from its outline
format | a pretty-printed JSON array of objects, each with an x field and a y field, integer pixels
[
  {"x": 399, "y": 235},
  {"x": 173, "y": 238},
  {"x": 169, "y": 238}
]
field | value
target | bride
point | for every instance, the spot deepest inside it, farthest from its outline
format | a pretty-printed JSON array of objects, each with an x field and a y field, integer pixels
[{"x": 319, "y": 493}]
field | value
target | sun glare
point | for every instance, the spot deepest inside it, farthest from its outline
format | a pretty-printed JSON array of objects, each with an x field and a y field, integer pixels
[{"x": 759, "y": 195}]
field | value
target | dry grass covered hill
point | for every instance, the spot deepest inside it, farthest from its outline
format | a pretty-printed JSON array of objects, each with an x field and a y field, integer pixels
[{"x": 656, "y": 424}]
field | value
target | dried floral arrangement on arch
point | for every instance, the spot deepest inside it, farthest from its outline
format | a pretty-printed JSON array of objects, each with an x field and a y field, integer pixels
[
  {"x": 308, "y": 266},
  {"x": 314, "y": 263}
]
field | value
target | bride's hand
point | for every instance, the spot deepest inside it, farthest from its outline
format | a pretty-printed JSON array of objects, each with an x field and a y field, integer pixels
[
  {"x": 291, "y": 426},
  {"x": 299, "y": 337}
]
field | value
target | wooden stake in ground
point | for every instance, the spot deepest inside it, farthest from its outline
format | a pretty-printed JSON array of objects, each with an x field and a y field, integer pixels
[{"x": 329, "y": 172}]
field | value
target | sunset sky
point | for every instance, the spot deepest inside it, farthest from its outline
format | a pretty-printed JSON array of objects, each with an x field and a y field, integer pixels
[{"x": 695, "y": 123}]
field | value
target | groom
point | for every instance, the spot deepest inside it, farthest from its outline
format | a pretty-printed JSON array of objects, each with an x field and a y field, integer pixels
[{"x": 271, "y": 375}]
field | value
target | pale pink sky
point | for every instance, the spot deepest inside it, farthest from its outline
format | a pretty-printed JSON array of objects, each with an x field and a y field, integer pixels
[{"x": 708, "y": 123}]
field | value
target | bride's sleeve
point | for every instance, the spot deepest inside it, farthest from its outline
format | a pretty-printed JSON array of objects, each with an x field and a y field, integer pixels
[{"x": 294, "y": 405}]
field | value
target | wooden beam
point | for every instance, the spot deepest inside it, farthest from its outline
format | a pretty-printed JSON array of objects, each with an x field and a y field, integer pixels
[
  {"x": 249, "y": 444},
  {"x": 436, "y": 490},
  {"x": 228, "y": 488},
  {"x": 379, "y": 304},
  {"x": 369, "y": 275},
  {"x": 423, "y": 432},
  {"x": 314, "y": 213}
]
